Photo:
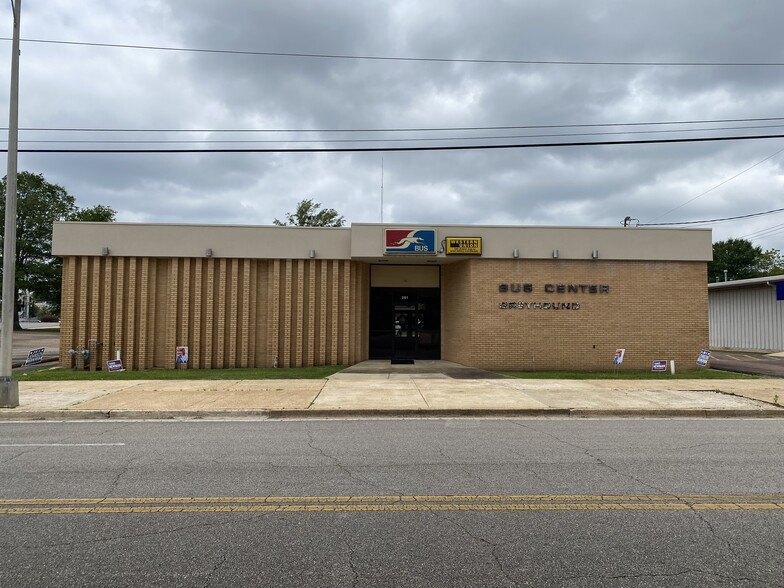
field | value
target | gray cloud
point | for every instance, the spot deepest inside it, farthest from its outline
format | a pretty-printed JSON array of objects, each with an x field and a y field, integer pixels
[{"x": 68, "y": 86}]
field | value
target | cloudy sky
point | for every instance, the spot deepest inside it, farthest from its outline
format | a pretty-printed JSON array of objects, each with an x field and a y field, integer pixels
[{"x": 227, "y": 95}]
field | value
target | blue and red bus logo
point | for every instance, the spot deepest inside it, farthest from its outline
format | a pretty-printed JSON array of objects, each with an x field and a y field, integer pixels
[{"x": 410, "y": 241}]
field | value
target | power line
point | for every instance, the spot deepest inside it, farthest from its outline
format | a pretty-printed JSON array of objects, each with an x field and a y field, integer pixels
[
  {"x": 410, "y": 148},
  {"x": 714, "y": 220},
  {"x": 409, "y": 59},
  {"x": 401, "y": 130},
  {"x": 402, "y": 140},
  {"x": 719, "y": 185},
  {"x": 775, "y": 229}
]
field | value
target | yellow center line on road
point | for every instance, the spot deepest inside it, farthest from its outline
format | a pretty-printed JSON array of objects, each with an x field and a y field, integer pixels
[{"x": 402, "y": 503}]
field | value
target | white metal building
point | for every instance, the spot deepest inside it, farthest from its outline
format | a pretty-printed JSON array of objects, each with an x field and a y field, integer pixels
[{"x": 747, "y": 314}]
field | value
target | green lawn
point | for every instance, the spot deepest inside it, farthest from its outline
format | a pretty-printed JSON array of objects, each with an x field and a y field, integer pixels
[
  {"x": 707, "y": 374},
  {"x": 307, "y": 373},
  {"x": 315, "y": 373}
]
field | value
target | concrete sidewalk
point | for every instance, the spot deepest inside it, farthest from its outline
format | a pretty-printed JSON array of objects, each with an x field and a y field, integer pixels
[{"x": 397, "y": 394}]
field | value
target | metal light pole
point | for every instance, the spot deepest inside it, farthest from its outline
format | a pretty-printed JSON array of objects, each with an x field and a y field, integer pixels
[{"x": 9, "y": 388}]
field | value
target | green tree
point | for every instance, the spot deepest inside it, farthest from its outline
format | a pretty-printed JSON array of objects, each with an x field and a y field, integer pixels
[
  {"x": 39, "y": 204},
  {"x": 743, "y": 260},
  {"x": 309, "y": 215}
]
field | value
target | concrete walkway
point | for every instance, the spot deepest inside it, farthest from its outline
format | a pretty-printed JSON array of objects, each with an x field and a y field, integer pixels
[{"x": 406, "y": 391}]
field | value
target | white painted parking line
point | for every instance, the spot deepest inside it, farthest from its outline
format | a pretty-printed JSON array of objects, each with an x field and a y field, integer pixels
[
  {"x": 752, "y": 357},
  {"x": 733, "y": 357},
  {"x": 61, "y": 444}
]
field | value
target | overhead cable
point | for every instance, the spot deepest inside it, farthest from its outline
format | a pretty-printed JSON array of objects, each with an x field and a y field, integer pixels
[
  {"x": 410, "y": 148},
  {"x": 714, "y": 220},
  {"x": 405, "y": 130},
  {"x": 412, "y": 59}
]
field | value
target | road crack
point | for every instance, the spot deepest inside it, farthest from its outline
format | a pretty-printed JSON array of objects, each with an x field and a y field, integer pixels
[
  {"x": 353, "y": 476},
  {"x": 215, "y": 569}
]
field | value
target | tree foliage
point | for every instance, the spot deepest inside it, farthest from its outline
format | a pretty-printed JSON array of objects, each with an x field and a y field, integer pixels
[
  {"x": 308, "y": 214},
  {"x": 743, "y": 260},
  {"x": 39, "y": 204}
]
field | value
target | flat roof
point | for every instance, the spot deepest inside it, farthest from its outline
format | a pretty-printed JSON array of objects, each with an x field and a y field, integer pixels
[
  {"x": 748, "y": 282},
  {"x": 366, "y": 242}
]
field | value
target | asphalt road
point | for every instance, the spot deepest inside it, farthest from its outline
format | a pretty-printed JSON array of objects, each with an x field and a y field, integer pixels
[{"x": 440, "y": 502}]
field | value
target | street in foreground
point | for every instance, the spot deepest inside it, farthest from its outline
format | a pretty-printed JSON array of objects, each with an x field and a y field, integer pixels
[{"x": 439, "y": 502}]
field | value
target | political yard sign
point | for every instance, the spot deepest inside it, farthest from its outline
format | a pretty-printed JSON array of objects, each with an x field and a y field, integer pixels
[
  {"x": 409, "y": 241},
  {"x": 35, "y": 356}
]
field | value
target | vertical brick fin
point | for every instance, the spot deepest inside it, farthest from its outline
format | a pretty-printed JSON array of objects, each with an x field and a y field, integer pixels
[
  {"x": 298, "y": 319},
  {"x": 257, "y": 335},
  {"x": 68, "y": 308},
  {"x": 220, "y": 317},
  {"x": 334, "y": 308},
  {"x": 208, "y": 329},
  {"x": 286, "y": 317},
  {"x": 365, "y": 305},
  {"x": 196, "y": 354},
  {"x": 107, "y": 300},
  {"x": 321, "y": 312},
  {"x": 118, "y": 344},
  {"x": 82, "y": 302},
  {"x": 247, "y": 312},
  {"x": 232, "y": 302},
  {"x": 145, "y": 342},
  {"x": 273, "y": 316},
  {"x": 359, "y": 312},
  {"x": 184, "y": 326},
  {"x": 94, "y": 313},
  {"x": 312, "y": 325},
  {"x": 345, "y": 320},
  {"x": 131, "y": 298},
  {"x": 159, "y": 294},
  {"x": 171, "y": 323}
]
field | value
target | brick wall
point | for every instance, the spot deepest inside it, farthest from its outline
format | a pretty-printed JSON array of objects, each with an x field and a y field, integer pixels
[
  {"x": 241, "y": 312},
  {"x": 229, "y": 312},
  {"x": 655, "y": 310}
]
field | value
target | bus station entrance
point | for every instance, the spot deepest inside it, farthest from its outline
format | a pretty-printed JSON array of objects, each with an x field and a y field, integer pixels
[{"x": 405, "y": 323}]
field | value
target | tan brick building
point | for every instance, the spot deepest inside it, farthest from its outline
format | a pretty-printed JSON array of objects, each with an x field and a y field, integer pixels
[{"x": 532, "y": 298}]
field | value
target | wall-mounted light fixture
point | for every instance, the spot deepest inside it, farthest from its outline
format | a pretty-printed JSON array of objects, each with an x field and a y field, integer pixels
[
  {"x": 208, "y": 253},
  {"x": 312, "y": 254},
  {"x": 515, "y": 253},
  {"x": 595, "y": 254},
  {"x": 105, "y": 251},
  {"x": 555, "y": 254}
]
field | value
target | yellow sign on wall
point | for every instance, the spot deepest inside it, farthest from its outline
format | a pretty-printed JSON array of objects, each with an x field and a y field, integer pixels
[{"x": 463, "y": 246}]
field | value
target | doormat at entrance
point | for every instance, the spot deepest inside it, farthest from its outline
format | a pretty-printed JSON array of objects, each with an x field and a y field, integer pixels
[{"x": 402, "y": 362}]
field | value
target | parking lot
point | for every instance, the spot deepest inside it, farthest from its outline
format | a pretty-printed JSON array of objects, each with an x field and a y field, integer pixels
[{"x": 749, "y": 363}]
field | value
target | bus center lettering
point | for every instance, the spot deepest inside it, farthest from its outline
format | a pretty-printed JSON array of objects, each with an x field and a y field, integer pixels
[{"x": 556, "y": 288}]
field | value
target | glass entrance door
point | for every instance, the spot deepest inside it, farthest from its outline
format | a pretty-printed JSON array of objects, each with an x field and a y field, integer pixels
[{"x": 405, "y": 323}]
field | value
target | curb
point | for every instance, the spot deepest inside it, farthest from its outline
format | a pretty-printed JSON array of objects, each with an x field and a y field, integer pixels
[
  {"x": 416, "y": 413},
  {"x": 78, "y": 415},
  {"x": 283, "y": 414}
]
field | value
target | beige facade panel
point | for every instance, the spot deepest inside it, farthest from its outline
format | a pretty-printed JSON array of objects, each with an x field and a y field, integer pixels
[
  {"x": 367, "y": 242},
  {"x": 222, "y": 241},
  {"x": 410, "y": 276},
  {"x": 228, "y": 312}
]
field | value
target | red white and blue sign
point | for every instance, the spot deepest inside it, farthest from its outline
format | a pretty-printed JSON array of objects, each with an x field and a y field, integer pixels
[
  {"x": 416, "y": 241},
  {"x": 659, "y": 365}
]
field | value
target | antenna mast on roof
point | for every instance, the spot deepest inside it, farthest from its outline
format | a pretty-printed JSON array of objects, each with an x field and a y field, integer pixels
[{"x": 382, "y": 189}]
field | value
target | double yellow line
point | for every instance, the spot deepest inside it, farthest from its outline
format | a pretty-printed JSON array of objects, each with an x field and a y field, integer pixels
[{"x": 288, "y": 504}]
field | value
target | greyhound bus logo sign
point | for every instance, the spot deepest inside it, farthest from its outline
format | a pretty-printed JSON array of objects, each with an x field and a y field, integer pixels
[{"x": 409, "y": 241}]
